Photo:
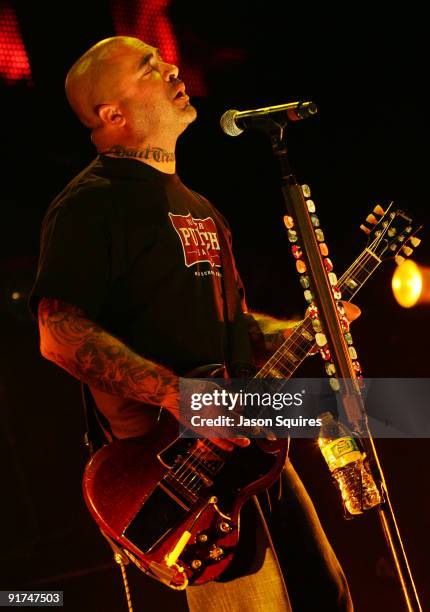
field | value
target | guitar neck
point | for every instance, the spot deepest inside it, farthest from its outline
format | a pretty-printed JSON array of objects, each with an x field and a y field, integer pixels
[
  {"x": 294, "y": 350},
  {"x": 358, "y": 273}
]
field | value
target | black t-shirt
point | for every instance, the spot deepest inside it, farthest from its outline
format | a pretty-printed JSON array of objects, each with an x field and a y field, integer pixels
[{"x": 151, "y": 262}]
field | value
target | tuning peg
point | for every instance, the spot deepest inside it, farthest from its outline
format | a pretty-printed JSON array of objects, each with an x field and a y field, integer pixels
[
  {"x": 378, "y": 210},
  {"x": 415, "y": 241},
  {"x": 365, "y": 229},
  {"x": 371, "y": 219},
  {"x": 407, "y": 251},
  {"x": 399, "y": 259}
]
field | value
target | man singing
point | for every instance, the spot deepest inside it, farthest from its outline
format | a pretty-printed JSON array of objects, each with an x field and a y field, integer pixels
[{"x": 137, "y": 285}]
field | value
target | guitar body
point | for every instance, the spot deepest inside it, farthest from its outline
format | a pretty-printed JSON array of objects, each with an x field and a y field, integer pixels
[{"x": 164, "y": 504}]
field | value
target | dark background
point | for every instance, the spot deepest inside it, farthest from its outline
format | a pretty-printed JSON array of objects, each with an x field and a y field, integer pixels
[{"x": 367, "y": 145}]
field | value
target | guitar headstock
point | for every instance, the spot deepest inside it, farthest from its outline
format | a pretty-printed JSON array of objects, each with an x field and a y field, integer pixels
[{"x": 391, "y": 233}]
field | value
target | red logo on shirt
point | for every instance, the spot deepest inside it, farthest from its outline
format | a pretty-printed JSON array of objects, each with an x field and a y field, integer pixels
[{"x": 199, "y": 239}]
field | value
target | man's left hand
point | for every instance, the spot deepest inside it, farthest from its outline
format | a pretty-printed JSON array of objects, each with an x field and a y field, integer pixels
[{"x": 352, "y": 312}]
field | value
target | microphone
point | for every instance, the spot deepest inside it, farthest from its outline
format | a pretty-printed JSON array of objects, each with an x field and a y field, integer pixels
[{"x": 233, "y": 122}]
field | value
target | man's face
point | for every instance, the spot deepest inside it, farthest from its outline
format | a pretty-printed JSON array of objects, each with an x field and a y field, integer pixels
[{"x": 150, "y": 95}]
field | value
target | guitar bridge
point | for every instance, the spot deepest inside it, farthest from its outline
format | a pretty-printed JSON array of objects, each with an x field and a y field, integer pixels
[{"x": 205, "y": 479}]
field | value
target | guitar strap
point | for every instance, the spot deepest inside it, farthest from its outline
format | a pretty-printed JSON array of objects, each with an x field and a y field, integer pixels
[{"x": 98, "y": 431}]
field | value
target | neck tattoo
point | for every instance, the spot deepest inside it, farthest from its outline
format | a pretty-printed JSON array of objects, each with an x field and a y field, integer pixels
[{"x": 156, "y": 153}]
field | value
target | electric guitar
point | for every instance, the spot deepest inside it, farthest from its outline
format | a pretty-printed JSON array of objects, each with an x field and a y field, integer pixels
[{"x": 173, "y": 507}]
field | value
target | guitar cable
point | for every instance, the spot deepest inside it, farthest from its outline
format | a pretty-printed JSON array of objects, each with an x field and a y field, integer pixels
[{"x": 121, "y": 558}]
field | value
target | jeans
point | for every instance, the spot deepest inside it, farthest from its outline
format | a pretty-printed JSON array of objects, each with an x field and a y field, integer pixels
[
  {"x": 296, "y": 544},
  {"x": 263, "y": 591}
]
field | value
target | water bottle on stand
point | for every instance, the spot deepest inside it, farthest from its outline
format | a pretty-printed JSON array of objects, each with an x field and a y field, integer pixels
[{"x": 348, "y": 466}]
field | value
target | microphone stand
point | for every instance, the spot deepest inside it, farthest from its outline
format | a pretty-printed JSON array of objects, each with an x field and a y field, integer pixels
[{"x": 351, "y": 398}]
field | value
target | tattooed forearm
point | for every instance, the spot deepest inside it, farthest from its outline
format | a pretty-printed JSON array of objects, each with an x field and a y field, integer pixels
[
  {"x": 97, "y": 358},
  {"x": 149, "y": 152}
]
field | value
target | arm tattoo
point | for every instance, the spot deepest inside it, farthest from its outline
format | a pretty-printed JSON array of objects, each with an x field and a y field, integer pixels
[{"x": 97, "y": 358}]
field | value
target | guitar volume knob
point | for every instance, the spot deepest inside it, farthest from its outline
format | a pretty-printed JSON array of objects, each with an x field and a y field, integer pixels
[
  {"x": 216, "y": 553},
  {"x": 196, "y": 564},
  {"x": 202, "y": 537}
]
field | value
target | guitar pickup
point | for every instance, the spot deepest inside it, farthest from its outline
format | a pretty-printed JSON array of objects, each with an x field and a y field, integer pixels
[{"x": 206, "y": 480}]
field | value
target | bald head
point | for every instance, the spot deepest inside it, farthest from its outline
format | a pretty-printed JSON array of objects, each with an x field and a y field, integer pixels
[{"x": 93, "y": 78}]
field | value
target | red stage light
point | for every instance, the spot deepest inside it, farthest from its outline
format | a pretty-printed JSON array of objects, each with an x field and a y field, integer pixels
[
  {"x": 14, "y": 64},
  {"x": 149, "y": 21}
]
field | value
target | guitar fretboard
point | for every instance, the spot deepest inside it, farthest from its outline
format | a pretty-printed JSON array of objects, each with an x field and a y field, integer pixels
[{"x": 288, "y": 357}]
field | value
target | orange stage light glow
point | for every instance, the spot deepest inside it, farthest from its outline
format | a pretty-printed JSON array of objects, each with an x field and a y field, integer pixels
[{"x": 411, "y": 284}]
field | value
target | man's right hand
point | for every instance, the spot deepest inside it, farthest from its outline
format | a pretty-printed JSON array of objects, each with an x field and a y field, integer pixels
[{"x": 180, "y": 406}]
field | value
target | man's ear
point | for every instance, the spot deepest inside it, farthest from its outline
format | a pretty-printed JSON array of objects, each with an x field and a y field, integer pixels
[{"x": 110, "y": 114}]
